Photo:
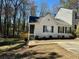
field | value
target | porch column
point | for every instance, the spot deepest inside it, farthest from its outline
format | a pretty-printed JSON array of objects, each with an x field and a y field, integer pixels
[{"x": 28, "y": 32}]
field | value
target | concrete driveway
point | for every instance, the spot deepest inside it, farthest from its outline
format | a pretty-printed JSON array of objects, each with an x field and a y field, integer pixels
[{"x": 70, "y": 45}]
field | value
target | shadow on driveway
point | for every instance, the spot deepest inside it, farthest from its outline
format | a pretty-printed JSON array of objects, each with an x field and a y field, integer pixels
[{"x": 30, "y": 55}]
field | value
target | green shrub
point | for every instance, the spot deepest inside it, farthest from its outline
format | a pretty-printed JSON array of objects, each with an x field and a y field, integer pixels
[{"x": 77, "y": 31}]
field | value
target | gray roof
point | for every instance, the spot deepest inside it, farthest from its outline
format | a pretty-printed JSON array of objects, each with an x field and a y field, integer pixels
[{"x": 33, "y": 19}]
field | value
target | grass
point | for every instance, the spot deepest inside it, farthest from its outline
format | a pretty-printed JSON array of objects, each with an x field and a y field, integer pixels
[
  {"x": 8, "y": 39},
  {"x": 7, "y": 47},
  {"x": 7, "y": 44}
]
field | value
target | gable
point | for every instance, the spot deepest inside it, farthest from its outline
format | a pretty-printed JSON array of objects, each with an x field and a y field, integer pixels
[{"x": 48, "y": 19}]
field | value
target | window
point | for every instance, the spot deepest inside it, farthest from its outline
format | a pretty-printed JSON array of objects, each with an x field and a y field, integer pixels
[
  {"x": 75, "y": 26},
  {"x": 48, "y": 19},
  {"x": 44, "y": 28},
  {"x": 70, "y": 29},
  {"x": 48, "y": 28},
  {"x": 60, "y": 29},
  {"x": 75, "y": 15},
  {"x": 67, "y": 29}
]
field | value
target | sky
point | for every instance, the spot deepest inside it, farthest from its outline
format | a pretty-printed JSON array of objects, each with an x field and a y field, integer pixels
[{"x": 51, "y": 3}]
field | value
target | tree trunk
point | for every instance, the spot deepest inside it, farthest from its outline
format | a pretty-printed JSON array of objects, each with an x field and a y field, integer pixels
[
  {"x": 23, "y": 27},
  {"x": 8, "y": 25},
  {"x": 14, "y": 23},
  {"x": 0, "y": 16},
  {"x": 0, "y": 24},
  {"x": 5, "y": 26},
  {"x": 18, "y": 27}
]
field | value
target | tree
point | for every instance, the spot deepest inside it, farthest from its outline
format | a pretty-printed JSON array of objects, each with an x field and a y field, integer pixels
[
  {"x": 1, "y": 6},
  {"x": 62, "y": 2},
  {"x": 13, "y": 16},
  {"x": 16, "y": 5},
  {"x": 24, "y": 15},
  {"x": 70, "y": 3},
  {"x": 54, "y": 10},
  {"x": 7, "y": 12},
  {"x": 43, "y": 8},
  {"x": 33, "y": 8},
  {"x": 77, "y": 30}
]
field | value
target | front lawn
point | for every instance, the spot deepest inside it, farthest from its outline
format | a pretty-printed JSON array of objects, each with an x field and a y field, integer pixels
[{"x": 7, "y": 44}]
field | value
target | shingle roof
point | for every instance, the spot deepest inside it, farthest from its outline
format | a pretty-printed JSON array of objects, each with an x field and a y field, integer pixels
[{"x": 33, "y": 19}]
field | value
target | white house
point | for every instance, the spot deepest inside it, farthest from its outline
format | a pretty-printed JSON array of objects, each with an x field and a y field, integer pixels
[
  {"x": 49, "y": 26},
  {"x": 68, "y": 15},
  {"x": 65, "y": 15}
]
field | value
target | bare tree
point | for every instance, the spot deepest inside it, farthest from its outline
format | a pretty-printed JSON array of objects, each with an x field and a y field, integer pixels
[
  {"x": 16, "y": 4},
  {"x": 1, "y": 6},
  {"x": 54, "y": 9},
  {"x": 69, "y": 3},
  {"x": 33, "y": 8},
  {"x": 14, "y": 15},
  {"x": 7, "y": 12},
  {"x": 44, "y": 8}
]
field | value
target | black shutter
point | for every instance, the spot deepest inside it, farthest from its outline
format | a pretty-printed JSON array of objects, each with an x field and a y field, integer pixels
[
  {"x": 52, "y": 29},
  {"x": 44, "y": 28},
  {"x": 65, "y": 29}
]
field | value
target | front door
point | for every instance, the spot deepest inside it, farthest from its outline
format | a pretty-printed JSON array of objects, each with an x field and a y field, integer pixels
[{"x": 32, "y": 29}]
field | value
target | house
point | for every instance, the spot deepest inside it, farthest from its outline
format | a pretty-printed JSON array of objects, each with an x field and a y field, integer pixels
[
  {"x": 70, "y": 16},
  {"x": 49, "y": 26},
  {"x": 65, "y": 15}
]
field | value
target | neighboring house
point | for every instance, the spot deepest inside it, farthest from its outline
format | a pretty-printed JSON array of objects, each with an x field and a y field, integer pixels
[{"x": 49, "y": 26}]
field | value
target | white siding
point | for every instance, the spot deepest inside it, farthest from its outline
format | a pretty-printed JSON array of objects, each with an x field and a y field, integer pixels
[
  {"x": 44, "y": 21},
  {"x": 65, "y": 15}
]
